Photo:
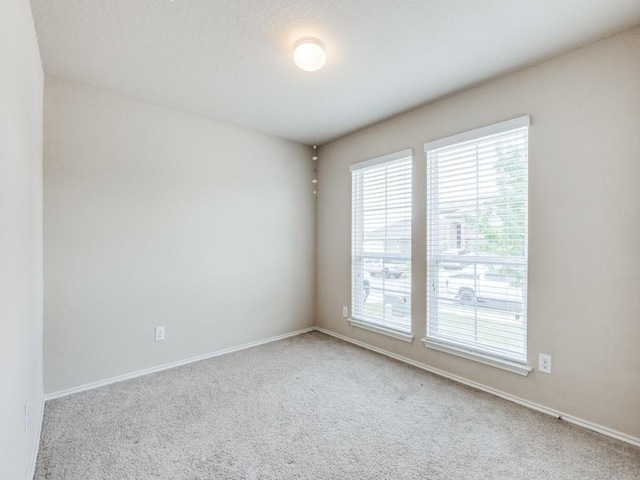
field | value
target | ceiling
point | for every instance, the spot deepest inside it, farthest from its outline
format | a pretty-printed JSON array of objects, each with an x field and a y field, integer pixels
[{"x": 231, "y": 60}]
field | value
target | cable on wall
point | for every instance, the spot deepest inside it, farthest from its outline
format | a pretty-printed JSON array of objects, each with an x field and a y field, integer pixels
[{"x": 315, "y": 171}]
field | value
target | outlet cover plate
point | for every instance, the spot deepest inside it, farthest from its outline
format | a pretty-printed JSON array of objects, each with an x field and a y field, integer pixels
[
  {"x": 159, "y": 334},
  {"x": 544, "y": 363}
]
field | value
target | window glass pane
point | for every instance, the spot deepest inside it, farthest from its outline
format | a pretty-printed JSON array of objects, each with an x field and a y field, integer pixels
[
  {"x": 381, "y": 237},
  {"x": 482, "y": 306},
  {"x": 477, "y": 244}
]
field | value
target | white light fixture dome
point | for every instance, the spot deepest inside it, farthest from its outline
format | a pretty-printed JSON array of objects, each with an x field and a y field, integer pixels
[{"x": 309, "y": 55}]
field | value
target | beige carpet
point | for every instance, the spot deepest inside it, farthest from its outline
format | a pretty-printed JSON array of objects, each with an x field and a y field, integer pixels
[{"x": 313, "y": 407}]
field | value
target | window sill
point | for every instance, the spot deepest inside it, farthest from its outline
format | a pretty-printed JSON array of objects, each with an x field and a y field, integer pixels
[
  {"x": 372, "y": 327},
  {"x": 512, "y": 367}
]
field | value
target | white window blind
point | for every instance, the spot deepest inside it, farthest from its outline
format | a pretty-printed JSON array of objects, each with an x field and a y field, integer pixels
[
  {"x": 477, "y": 196},
  {"x": 381, "y": 241}
]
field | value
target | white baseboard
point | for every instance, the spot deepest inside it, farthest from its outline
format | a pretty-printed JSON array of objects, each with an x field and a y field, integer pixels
[
  {"x": 498, "y": 393},
  {"x": 36, "y": 447},
  {"x": 601, "y": 429},
  {"x": 166, "y": 366}
]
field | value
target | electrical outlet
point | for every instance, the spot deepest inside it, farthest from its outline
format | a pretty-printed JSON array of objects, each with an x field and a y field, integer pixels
[
  {"x": 159, "y": 334},
  {"x": 544, "y": 363},
  {"x": 26, "y": 417},
  {"x": 345, "y": 311}
]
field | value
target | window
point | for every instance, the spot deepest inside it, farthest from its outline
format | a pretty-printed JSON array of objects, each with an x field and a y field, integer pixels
[
  {"x": 477, "y": 244},
  {"x": 457, "y": 231},
  {"x": 381, "y": 244}
]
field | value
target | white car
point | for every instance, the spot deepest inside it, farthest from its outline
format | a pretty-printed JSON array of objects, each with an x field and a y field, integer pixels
[
  {"x": 376, "y": 266},
  {"x": 482, "y": 286},
  {"x": 454, "y": 265}
]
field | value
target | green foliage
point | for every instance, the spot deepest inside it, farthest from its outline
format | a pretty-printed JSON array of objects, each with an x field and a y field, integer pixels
[{"x": 501, "y": 221}]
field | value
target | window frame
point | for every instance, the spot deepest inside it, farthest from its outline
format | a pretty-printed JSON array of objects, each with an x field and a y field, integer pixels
[
  {"x": 358, "y": 319},
  {"x": 469, "y": 350}
]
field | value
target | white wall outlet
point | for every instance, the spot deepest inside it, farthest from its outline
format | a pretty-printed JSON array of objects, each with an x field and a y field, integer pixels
[
  {"x": 159, "y": 334},
  {"x": 26, "y": 417},
  {"x": 345, "y": 311},
  {"x": 544, "y": 363}
]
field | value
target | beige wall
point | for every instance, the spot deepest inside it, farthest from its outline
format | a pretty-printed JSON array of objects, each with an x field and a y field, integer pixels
[
  {"x": 584, "y": 241},
  {"x": 157, "y": 217},
  {"x": 20, "y": 239}
]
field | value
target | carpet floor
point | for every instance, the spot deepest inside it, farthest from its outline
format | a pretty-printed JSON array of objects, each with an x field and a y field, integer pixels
[{"x": 313, "y": 407}]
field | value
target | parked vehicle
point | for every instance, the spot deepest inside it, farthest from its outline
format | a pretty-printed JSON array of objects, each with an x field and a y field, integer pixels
[
  {"x": 452, "y": 265},
  {"x": 482, "y": 286},
  {"x": 376, "y": 266}
]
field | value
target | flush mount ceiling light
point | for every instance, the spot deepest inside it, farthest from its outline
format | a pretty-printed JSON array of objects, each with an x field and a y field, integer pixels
[{"x": 309, "y": 55}]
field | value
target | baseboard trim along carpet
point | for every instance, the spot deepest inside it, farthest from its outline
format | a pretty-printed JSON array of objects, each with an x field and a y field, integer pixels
[
  {"x": 521, "y": 401},
  {"x": 166, "y": 366},
  {"x": 498, "y": 393},
  {"x": 36, "y": 447}
]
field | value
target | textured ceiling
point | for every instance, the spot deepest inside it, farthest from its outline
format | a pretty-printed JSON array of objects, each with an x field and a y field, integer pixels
[{"x": 230, "y": 60}]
